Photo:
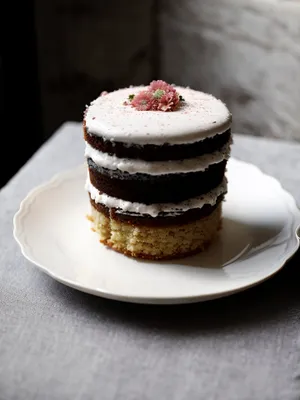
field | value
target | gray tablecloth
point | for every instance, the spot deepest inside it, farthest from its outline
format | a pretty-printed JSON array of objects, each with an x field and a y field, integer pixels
[{"x": 57, "y": 343}]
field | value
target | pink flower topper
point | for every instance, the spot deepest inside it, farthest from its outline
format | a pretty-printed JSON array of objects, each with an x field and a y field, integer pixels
[{"x": 159, "y": 96}]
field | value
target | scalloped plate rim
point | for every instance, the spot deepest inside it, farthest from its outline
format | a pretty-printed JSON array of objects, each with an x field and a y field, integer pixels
[{"x": 60, "y": 177}]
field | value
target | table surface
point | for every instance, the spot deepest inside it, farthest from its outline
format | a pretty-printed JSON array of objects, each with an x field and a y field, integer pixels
[{"x": 57, "y": 343}]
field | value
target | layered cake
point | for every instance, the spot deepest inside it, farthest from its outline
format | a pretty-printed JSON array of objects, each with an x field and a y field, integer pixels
[{"x": 156, "y": 169}]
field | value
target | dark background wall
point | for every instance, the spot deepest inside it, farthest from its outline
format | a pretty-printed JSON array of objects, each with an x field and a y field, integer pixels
[
  {"x": 86, "y": 46},
  {"x": 21, "y": 109},
  {"x": 61, "y": 55},
  {"x": 58, "y": 55}
]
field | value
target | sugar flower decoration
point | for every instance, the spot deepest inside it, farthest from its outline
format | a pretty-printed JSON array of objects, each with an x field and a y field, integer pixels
[
  {"x": 158, "y": 96},
  {"x": 143, "y": 101}
]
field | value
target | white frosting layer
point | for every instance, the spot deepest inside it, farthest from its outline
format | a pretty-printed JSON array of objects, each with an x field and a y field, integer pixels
[
  {"x": 134, "y": 166},
  {"x": 154, "y": 209},
  {"x": 200, "y": 116}
]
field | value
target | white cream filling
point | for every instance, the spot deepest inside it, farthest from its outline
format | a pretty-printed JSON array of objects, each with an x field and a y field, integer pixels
[
  {"x": 154, "y": 209},
  {"x": 133, "y": 166}
]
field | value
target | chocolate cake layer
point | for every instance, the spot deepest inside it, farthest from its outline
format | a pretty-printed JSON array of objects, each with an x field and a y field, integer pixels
[
  {"x": 161, "y": 220},
  {"x": 165, "y": 152},
  {"x": 149, "y": 189}
]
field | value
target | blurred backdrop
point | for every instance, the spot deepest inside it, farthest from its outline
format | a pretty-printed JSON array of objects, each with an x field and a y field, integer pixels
[{"x": 65, "y": 52}]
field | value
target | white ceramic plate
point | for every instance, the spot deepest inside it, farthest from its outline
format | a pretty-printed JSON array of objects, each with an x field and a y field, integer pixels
[{"x": 259, "y": 235}]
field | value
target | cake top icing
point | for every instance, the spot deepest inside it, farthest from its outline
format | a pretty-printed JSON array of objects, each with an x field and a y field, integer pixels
[{"x": 199, "y": 116}]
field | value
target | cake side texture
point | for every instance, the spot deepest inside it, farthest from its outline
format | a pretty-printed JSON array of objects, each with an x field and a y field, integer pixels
[{"x": 157, "y": 180}]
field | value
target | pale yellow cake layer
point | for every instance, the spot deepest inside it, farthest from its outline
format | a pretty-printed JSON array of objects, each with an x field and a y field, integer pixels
[{"x": 156, "y": 242}]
